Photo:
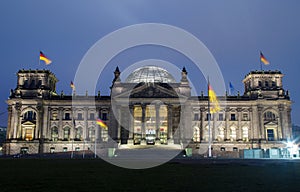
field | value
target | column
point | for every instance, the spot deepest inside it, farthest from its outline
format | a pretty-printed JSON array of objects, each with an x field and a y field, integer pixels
[
  {"x": 170, "y": 123},
  {"x": 9, "y": 123},
  {"x": 46, "y": 121},
  {"x": 143, "y": 120},
  {"x": 260, "y": 122},
  {"x": 239, "y": 128},
  {"x": 98, "y": 114},
  {"x": 60, "y": 126},
  {"x": 227, "y": 128},
  {"x": 281, "y": 133},
  {"x": 157, "y": 120},
  {"x": 85, "y": 127},
  {"x": 131, "y": 122},
  {"x": 202, "y": 119}
]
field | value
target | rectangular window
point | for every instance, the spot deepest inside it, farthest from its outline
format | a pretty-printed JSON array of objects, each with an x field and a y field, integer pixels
[
  {"x": 79, "y": 116},
  {"x": 65, "y": 149},
  {"x": 245, "y": 117},
  {"x": 221, "y": 117},
  {"x": 232, "y": 117},
  {"x": 92, "y": 116},
  {"x": 270, "y": 133},
  {"x": 67, "y": 116},
  {"x": 208, "y": 117},
  {"x": 196, "y": 117},
  {"x": 104, "y": 116}
]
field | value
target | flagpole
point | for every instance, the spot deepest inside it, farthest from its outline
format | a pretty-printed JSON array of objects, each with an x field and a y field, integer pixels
[
  {"x": 260, "y": 61},
  {"x": 209, "y": 137}
]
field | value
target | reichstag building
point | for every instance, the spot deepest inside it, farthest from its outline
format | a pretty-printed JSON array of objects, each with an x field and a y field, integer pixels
[{"x": 148, "y": 108}]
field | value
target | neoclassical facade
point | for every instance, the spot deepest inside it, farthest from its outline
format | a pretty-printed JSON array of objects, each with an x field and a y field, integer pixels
[{"x": 148, "y": 108}]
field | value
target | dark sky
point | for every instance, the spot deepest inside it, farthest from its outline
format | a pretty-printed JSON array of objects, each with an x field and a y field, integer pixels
[{"x": 234, "y": 31}]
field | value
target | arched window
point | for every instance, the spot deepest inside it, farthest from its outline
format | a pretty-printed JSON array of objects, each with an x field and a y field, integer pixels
[
  {"x": 269, "y": 116},
  {"x": 266, "y": 84},
  {"x": 66, "y": 133},
  {"x": 54, "y": 134},
  {"x": 196, "y": 137},
  {"x": 233, "y": 133},
  {"x": 245, "y": 133},
  {"x": 78, "y": 133},
  {"x": 91, "y": 134},
  {"x": 29, "y": 116}
]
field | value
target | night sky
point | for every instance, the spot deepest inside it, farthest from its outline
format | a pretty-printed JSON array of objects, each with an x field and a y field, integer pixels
[{"x": 234, "y": 32}]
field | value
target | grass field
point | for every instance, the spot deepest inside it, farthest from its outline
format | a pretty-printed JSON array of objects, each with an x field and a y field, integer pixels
[{"x": 96, "y": 175}]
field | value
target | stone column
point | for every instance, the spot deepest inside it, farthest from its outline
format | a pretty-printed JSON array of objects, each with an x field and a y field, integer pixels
[
  {"x": 46, "y": 121},
  {"x": 157, "y": 120},
  {"x": 85, "y": 120},
  {"x": 239, "y": 128},
  {"x": 261, "y": 127},
  {"x": 281, "y": 133},
  {"x": 60, "y": 125},
  {"x": 18, "y": 121},
  {"x": 143, "y": 120},
  {"x": 9, "y": 123},
  {"x": 170, "y": 123},
  {"x": 98, "y": 115},
  {"x": 227, "y": 128},
  {"x": 202, "y": 120},
  {"x": 131, "y": 122}
]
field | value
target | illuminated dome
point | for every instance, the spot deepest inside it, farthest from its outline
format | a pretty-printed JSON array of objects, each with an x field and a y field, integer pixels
[{"x": 150, "y": 74}]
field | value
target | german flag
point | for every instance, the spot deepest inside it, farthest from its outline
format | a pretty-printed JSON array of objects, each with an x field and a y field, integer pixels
[
  {"x": 72, "y": 85},
  {"x": 44, "y": 58},
  {"x": 263, "y": 59},
  {"x": 101, "y": 123},
  {"x": 214, "y": 103}
]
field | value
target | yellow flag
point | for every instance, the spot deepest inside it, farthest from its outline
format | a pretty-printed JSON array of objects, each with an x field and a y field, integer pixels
[{"x": 214, "y": 103}]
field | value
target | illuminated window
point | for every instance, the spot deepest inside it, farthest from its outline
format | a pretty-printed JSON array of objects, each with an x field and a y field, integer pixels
[
  {"x": 65, "y": 149},
  {"x": 78, "y": 132},
  {"x": 54, "y": 134},
  {"x": 66, "y": 133},
  {"x": 233, "y": 133},
  {"x": 196, "y": 137},
  {"x": 28, "y": 134},
  {"x": 91, "y": 134},
  {"x": 245, "y": 133}
]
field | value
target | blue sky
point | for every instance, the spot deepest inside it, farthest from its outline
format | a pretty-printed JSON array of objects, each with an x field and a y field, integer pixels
[{"x": 233, "y": 30}]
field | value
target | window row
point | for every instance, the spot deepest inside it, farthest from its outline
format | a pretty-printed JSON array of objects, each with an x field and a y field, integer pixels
[
  {"x": 221, "y": 117},
  {"x": 67, "y": 116}
]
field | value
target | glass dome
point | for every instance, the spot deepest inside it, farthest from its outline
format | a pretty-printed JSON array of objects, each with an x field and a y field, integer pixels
[{"x": 150, "y": 74}]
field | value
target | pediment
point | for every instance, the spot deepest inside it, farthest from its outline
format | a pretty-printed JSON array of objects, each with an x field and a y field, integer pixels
[
  {"x": 151, "y": 90},
  {"x": 271, "y": 124},
  {"x": 28, "y": 124}
]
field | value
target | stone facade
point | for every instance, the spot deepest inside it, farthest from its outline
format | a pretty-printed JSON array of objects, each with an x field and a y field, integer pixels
[{"x": 42, "y": 121}]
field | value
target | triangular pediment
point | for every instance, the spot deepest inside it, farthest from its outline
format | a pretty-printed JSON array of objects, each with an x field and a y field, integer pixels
[
  {"x": 151, "y": 90},
  {"x": 271, "y": 124},
  {"x": 28, "y": 124}
]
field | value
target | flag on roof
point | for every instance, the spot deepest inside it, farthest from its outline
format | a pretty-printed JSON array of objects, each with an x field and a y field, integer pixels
[
  {"x": 214, "y": 103},
  {"x": 263, "y": 59},
  {"x": 101, "y": 123},
  {"x": 72, "y": 85},
  {"x": 231, "y": 88},
  {"x": 44, "y": 58}
]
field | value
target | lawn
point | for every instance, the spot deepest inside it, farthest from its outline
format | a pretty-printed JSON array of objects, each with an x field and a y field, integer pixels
[{"x": 96, "y": 175}]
